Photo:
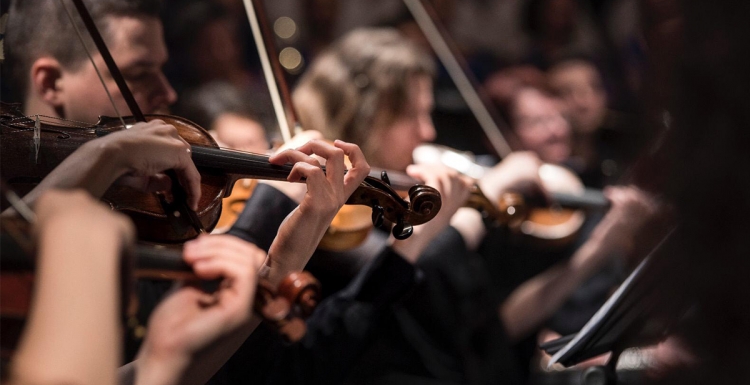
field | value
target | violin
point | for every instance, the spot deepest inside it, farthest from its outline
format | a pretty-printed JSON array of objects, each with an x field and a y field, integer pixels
[
  {"x": 26, "y": 160},
  {"x": 551, "y": 223},
  {"x": 31, "y": 149},
  {"x": 351, "y": 225},
  {"x": 283, "y": 307},
  {"x": 553, "y": 227}
]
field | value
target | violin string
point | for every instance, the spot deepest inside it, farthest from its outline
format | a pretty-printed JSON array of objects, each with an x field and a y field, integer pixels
[
  {"x": 18, "y": 121},
  {"x": 91, "y": 58}
]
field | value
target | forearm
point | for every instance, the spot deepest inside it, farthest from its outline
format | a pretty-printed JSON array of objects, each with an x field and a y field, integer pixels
[
  {"x": 93, "y": 168},
  {"x": 532, "y": 303},
  {"x": 147, "y": 370},
  {"x": 73, "y": 325},
  {"x": 297, "y": 239},
  {"x": 468, "y": 222}
]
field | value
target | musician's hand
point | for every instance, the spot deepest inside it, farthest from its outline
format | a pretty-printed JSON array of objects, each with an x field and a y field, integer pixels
[
  {"x": 295, "y": 191},
  {"x": 135, "y": 156},
  {"x": 144, "y": 151},
  {"x": 631, "y": 210},
  {"x": 302, "y": 230},
  {"x": 518, "y": 172},
  {"x": 190, "y": 322},
  {"x": 454, "y": 191}
]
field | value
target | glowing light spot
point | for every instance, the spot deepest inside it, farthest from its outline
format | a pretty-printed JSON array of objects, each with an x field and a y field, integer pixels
[
  {"x": 285, "y": 27},
  {"x": 291, "y": 59}
]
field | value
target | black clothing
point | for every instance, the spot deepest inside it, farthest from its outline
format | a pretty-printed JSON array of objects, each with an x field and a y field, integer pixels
[
  {"x": 339, "y": 330},
  {"x": 447, "y": 331}
]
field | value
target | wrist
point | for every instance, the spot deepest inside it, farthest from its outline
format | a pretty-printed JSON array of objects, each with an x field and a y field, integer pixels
[
  {"x": 150, "y": 370},
  {"x": 296, "y": 241},
  {"x": 468, "y": 222},
  {"x": 109, "y": 155}
]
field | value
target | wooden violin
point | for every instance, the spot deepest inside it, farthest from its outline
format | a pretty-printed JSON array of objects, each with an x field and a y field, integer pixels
[
  {"x": 351, "y": 224},
  {"x": 31, "y": 149},
  {"x": 283, "y": 307},
  {"x": 550, "y": 225},
  {"x": 23, "y": 163}
]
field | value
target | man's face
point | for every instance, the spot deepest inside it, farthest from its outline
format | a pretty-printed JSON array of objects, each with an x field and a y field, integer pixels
[
  {"x": 137, "y": 46},
  {"x": 579, "y": 86},
  {"x": 541, "y": 127}
]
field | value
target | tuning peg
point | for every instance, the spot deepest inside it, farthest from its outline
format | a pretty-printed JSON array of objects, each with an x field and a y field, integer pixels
[
  {"x": 402, "y": 230},
  {"x": 377, "y": 215},
  {"x": 384, "y": 177}
]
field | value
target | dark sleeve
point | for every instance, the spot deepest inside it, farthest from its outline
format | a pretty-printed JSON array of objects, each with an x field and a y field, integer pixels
[
  {"x": 262, "y": 216},
  {"x": 339, "y": 331}
]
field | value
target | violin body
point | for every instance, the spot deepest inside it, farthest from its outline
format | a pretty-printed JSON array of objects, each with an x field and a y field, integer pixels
[
  {"x": 232, "y": 206},
  {"x": 26, "y": 161},
  {"x": 24, "y": 165},
  {"x": 543, "y": 225}
]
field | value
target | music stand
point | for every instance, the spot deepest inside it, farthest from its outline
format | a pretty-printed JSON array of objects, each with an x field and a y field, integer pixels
[{"x": 625, "y": 320}]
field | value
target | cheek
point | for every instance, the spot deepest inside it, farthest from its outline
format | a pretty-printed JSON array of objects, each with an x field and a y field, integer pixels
[
  {"x": 529, "y": 142},
  {"x": 87, "y": 103}
]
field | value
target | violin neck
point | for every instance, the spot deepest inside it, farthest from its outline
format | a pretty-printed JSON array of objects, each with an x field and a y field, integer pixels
[
  {"x": 590, "y": 200},
  {"x": 243, "y": 164},
  {"x": 399, "y": 181}
]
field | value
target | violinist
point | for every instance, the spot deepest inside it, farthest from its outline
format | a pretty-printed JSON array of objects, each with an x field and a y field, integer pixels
[
  {"x": 375, "y": 89},
  {"x": 73, "y": 325},
  {"x": 49, "y": 78},
  {"x": 603, "y": 141},
  {"x": 53, "y": 78}
]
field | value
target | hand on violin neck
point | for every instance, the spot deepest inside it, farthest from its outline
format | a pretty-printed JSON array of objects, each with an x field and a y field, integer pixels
[
  {"x": 454, "y": 190},
  {"x": 632, "y": 210},
  {"x": 518, "y": 172},
  {"x": 327, "y": 191},
  {"x": 295, "y": 191},
  {"x": 147, "y": 149}
]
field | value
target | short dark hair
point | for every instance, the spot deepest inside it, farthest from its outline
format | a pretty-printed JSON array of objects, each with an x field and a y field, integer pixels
[
  {"x": 41, "y": 27},
  {"x": 205, "y": 104}
]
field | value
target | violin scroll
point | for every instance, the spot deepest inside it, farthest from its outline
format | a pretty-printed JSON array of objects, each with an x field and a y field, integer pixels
[{"x": 286, "y": 308}]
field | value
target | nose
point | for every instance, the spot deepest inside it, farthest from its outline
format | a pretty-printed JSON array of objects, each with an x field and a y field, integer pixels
[
  {"x": 163, "y": 95},
  {"x": 559, "y": 126},
  {"x": 426, "y": 129}
]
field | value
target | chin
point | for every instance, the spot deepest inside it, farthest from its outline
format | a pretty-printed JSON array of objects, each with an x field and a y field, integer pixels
[{"x": 557, "y": 157}]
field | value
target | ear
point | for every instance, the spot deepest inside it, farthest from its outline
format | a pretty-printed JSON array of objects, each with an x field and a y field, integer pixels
[{"x": 46, "y": 73}]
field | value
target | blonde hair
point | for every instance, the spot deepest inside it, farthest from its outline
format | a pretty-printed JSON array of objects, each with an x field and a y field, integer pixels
[{"x": 360, "y": 84}]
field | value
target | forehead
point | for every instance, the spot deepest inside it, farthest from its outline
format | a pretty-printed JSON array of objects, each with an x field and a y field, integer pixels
[
  {"x": 532, "y": 102},
  {"x": 137, "y": 40},
  {"x": 573, "y": 74},
  {"x": 420, "y": 87}
]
